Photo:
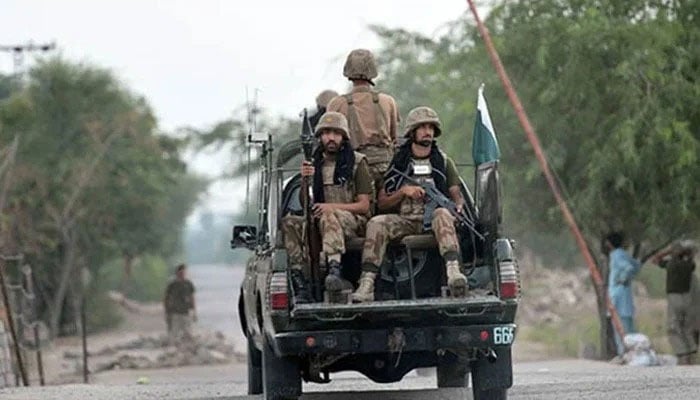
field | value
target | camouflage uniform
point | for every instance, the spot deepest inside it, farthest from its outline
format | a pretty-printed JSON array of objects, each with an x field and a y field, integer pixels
[
  {"x": 373, "y": 117},
  {"x": 382, "y": 229},
  {"x": 337, "y": 225}
]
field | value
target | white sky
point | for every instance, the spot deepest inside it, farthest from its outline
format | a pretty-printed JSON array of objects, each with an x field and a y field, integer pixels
[{"x": 193, "y": 60}]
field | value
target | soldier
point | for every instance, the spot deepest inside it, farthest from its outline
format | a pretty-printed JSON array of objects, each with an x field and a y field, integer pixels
[
  {"x": 373, "y": 117},
  {"x": 420, "y": 158},
  {"x": 341, "y": 189},
  {"x": 322, "y": 101},
  {"x": 178, "y": 303},
  {"x": 680, "y": 266}
]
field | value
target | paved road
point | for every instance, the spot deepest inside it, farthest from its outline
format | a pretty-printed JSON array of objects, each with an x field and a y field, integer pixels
[
  {"x": 561, "y": 380},
  {"x": 217, "y": 291}
]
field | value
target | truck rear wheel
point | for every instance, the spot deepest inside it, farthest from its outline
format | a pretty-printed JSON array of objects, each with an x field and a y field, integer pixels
[
  {"x": 281, "y": 376},
  {"x": 255, "y": 376}
]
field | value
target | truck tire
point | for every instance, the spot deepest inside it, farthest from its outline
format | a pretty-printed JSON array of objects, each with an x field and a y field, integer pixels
[
  {"x": 452, "y": 375},
  {"x": 255, "y": 376},
  {"x": 281, "y": 375},
  {"x": 491, "y": 394}
]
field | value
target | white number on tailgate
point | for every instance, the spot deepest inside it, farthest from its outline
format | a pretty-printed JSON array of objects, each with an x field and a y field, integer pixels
[{"x": 503, "y": 335}]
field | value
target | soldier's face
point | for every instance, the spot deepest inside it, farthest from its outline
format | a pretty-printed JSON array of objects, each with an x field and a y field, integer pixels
[
  {"x": 425, "y": 134},
  {"x": 331, "y": 140}
]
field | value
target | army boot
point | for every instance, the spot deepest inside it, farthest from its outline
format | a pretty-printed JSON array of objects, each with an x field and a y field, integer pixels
[
  {"x": 302, "y": 295},
  {"x": 456, "y": 280},
  {"x": 365, "y": 291}
]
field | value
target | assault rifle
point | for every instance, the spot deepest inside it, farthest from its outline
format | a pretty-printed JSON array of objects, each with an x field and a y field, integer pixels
[
  {"x": 436, "y": 200},
  {"x": 313, "y": 240}
]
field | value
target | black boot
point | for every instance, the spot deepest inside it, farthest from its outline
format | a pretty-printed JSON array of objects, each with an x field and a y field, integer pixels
[
  {"x": 302, "y": 295},
  {"x": 334, "y": 279}
]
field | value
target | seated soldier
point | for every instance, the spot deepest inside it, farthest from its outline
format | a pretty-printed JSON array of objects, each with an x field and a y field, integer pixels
[
  {"x": 420, "y": 158},
  {"x": 341, "y": 189}
]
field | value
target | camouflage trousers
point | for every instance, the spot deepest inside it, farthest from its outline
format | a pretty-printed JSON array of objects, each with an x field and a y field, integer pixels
[
  {"x": 681, "y": 333},
  {"x": 334, "y": 228},
  {"x": 384, "y": 228}
]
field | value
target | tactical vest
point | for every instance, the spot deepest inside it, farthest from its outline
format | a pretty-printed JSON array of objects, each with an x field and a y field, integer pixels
[
  {"x": 422, "y": 172},
  {"x": 339, "y": 193}
]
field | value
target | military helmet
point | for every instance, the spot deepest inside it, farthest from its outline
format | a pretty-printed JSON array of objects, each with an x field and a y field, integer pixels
[
  {"x": 325, "y": 97},
  {"x": 360, "y": 65},
  {"x": 421, "y": 115},
  {"x": 333, "y": 120}
]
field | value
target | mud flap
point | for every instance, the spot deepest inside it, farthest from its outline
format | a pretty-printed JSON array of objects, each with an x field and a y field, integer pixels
[
  {"x": 490, "y": 374},
  {"x": 281, "y": 375}
]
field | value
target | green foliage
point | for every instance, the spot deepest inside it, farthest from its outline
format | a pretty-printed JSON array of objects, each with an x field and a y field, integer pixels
[
  {"x": 93, "y": 179},
  {"x": 611, "y": 89},
  {"x": 654, "y": 279},
  {"x": 147, "y": 283}
]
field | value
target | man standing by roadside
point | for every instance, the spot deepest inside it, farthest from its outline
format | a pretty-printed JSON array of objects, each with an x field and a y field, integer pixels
[
  {"x": 373, "y": 117},
  {"x": 623, "y": 268},
  {"x": 178, "y": 302},
  {"x": 680, "y": 266}
]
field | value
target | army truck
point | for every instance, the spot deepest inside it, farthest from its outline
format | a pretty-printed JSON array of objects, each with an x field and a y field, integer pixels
[{"x": 414, "y": 323}]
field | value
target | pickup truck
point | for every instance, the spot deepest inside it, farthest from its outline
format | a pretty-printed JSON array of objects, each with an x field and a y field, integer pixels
[{"x": 414, "y": 322}]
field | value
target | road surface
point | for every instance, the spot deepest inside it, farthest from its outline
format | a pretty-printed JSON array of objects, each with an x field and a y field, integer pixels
[{"x": 217, "y": 291}]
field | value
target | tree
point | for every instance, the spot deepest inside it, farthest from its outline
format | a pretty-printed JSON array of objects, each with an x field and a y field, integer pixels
[{"x": 93, "y": 178}]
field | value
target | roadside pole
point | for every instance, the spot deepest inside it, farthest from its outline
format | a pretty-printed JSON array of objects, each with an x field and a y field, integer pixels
[{"x": 11, "y": 323}]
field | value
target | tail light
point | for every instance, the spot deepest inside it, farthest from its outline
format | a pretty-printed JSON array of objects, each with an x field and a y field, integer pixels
[
  {"x": 509, "y": 286},
  {"x": 279, "y": 298}
]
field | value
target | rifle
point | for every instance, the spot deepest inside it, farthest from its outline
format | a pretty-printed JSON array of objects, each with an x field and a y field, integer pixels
[
  {"x": 436, "y": 200},
  {"x": 313, "y": 240},
  {"x": 656, "y": 251}
]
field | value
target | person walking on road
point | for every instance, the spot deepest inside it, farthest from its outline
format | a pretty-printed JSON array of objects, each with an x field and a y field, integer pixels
[{"x": 179, "y": 304}]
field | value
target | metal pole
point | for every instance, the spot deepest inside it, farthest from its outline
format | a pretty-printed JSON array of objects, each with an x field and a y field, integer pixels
[
  {"x": 11, "y": 322},
  {"x": 39, "y": 362},
  {"x": 544, "y": 165},
  {"x": 84, "y": 334}
]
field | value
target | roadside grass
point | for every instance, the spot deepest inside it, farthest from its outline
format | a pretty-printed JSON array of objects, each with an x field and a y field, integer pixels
[{"x": 567, "y": 337}]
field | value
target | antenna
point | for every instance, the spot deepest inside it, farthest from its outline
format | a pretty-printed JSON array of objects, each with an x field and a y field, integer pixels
[{"x": 252, "y": 111}]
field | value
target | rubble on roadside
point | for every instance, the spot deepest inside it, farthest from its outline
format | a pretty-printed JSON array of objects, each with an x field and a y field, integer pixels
[{"x": 156, "y": 351}]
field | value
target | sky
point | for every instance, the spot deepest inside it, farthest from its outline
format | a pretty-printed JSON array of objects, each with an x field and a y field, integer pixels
[{"x": 194, "y": 60}]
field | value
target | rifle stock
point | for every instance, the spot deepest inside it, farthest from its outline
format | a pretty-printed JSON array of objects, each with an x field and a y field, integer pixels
[{"x": 312, "y": 238}]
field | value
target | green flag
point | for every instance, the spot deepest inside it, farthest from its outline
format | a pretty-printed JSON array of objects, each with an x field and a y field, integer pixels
[{"x": 484, "y": 143}]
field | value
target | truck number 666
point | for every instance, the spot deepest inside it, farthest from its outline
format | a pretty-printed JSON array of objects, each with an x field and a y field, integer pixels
[{"x": 503, "y": 335}]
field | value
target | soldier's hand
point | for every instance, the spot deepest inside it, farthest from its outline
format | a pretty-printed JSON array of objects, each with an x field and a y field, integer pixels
[
  {"x": 414, "y": 192},
  {"x": 322, "y": 208},
  {"x": 307, "y": 169}
]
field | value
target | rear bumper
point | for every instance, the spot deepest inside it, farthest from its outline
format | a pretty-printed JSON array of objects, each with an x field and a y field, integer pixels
[{"x": 385, "y": 340}]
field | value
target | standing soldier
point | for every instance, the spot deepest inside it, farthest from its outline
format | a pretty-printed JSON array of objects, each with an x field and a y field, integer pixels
[
  {"x": 421, "y": 159},
  {"x": 373, "y": 117},
  {"x": 341, "y": 189},
  {"x": 322, "y": 101},
  {"x": 179, "y": 302},
  {"x": 680, "y": 266}
]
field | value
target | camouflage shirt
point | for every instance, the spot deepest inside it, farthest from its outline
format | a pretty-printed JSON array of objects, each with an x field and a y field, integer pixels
[{"x": 179, "y": 296}]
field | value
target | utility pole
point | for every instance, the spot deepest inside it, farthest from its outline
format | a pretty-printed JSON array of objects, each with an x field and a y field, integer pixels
[{"x": 19, "y": 51}]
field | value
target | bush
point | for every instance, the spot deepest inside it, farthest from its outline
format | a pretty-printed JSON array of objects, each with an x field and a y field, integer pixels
[{"x": 149, "y": 276}]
